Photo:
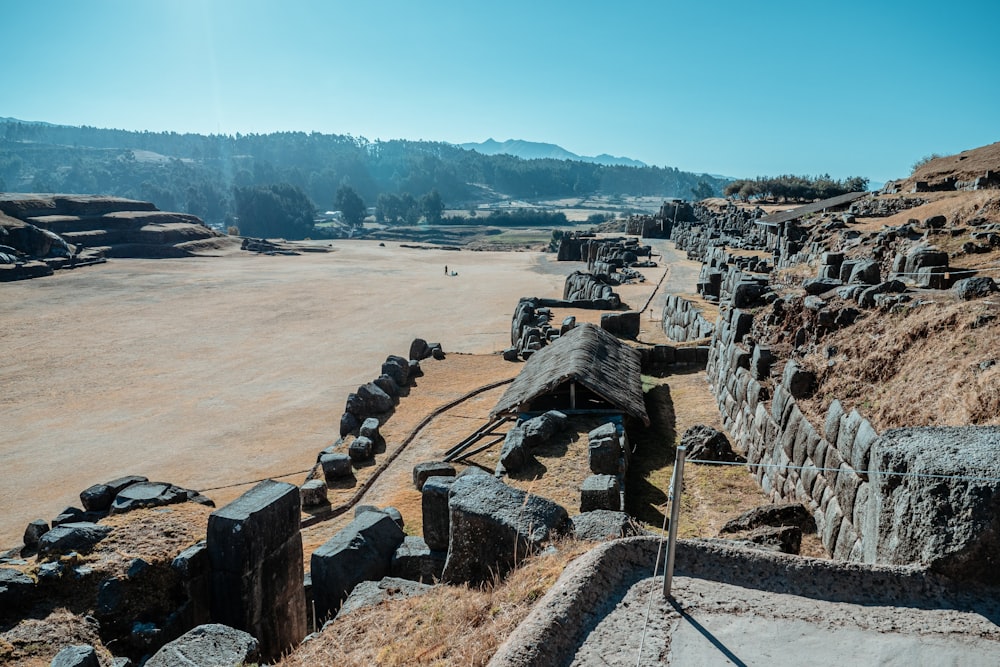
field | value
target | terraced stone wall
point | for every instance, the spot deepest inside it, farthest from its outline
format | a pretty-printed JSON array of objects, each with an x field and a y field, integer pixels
[
  {"x": 823, "y": 466},
  {"x": 682, "y": 320}
]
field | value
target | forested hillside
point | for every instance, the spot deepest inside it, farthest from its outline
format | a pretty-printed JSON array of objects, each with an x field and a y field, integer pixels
[{"x": 198, "y": 174}]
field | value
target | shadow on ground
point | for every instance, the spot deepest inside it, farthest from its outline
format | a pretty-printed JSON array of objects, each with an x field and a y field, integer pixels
[{"x": 655, "y": 449}]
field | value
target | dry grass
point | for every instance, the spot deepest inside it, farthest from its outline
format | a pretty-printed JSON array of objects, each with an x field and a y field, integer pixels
[
  {"x": 156, "y": 534},
  {"x": 712, "y": 494},
  {"x": 450, "y": 625},
  {"x": 964, "y": 166},
  {"x": 34, "y": 642},
  {"x": 938, "y": 365}
]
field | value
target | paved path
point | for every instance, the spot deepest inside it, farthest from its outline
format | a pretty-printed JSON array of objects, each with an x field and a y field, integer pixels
[
  {"x": 735, "y": 606},
  {"x": 719, "y": 624}
]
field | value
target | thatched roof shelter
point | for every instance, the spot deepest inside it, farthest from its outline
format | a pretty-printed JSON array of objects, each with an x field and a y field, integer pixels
[
  {"x": 833, "y": 203},
  {"x": 587, "y": 369}
]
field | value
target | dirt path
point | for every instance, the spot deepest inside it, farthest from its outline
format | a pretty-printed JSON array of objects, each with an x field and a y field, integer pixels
[{"x": 204, "y": 372}]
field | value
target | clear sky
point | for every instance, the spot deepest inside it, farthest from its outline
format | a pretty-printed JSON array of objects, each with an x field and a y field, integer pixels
[{"x": 734, "y": 88}]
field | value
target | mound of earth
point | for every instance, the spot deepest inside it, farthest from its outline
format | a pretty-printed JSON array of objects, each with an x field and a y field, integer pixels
[{"x": 974, "y": 169}]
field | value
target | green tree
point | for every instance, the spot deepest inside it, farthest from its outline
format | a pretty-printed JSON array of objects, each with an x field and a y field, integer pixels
[
  {"x": 702, "y": 191},
  {"x": 432, "y": 206},
  {"x": 351, "y": 205},
  {"x": 856, "y": 184},
  {"x": 273, "y": 211},
  {"x": 389, "y": 208}
]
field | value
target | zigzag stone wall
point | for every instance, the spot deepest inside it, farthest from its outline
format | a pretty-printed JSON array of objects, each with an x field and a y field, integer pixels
[
  {"x": 682, "y": 321},
  {"x": 778, "y": 440}
]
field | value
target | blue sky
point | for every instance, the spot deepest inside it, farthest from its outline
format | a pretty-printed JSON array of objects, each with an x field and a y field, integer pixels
[{"x": 734, "y": 88}]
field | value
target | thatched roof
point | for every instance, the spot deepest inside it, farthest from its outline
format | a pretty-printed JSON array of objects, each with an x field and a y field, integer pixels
[
  {"x": 815, "y": 207},
  {"x": 592, "y": 358}
]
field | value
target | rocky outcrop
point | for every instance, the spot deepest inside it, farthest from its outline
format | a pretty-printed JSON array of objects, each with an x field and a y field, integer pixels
[{"x": 67, "y": 231}]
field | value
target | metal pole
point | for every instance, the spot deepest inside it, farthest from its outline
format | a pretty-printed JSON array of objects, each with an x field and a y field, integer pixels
[{"x": 677, "y": 486}]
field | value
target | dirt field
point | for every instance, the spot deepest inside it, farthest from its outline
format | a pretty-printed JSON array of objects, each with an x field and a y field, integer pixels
[{"x": 205, "y": 372}]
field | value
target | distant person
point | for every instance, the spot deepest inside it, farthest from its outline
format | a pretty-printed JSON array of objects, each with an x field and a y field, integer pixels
[{"x": 445, "y": 269}]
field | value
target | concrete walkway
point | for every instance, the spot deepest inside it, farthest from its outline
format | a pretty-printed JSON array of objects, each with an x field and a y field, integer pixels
[
  {"x": 736, "y": 606},
  {"x": 711, "y": 623}
]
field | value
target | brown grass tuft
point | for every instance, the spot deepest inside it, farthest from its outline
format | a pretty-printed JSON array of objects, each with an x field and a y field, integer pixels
[
  {"x": 450, "y": 625},
  {"x": 934, "y": 365}
]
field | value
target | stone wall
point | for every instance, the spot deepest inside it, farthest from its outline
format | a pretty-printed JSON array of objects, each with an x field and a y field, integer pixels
[
  {"x": 912, "y": 495},
  {"x": 682, "y": 321},
  {"x": 595, "y": 583},
  {"x": 778, "y": 440},
  {"x": 591, "y": 289}
]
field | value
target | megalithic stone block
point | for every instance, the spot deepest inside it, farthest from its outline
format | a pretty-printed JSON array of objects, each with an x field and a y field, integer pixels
[
  {"x": 362, "y": 551},
  {"x": 255, "y": 550}
]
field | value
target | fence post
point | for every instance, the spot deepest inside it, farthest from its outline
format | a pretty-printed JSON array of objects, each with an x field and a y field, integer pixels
[{"x": 676, "y": 488}]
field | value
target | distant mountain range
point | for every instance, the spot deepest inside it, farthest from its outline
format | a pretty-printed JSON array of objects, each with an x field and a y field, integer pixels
[{"x": 533, "y": 150}]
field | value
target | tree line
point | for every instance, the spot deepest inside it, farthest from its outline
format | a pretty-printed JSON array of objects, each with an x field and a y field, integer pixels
[
  {"x": 202, "y": 174},
  {"x": 793, "y": 188}
]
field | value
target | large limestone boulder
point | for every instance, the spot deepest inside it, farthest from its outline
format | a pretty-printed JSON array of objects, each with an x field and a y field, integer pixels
[
  {"x": 255, "y": 548},
  {"x": 73, "y": 536},
  {"x": 362, "y": 551},
  {"x": 705, "y": 443},
  {"x": 15, "y": 588},
  {"x": 414, "y": 560},
  {"x": 975, "y": 288},
  {"x": 943, "y": 510},
  {"x": 371, "y": 593},
  {"x": 494, "y": 526},
  {"x": 604, "y": 450},
  {"x": 210, "y": 644},
  {"x": 774, "y": 516},
  {"x": 78, "y": 655},
  {"x": 514, "y": 454},
  {"x": 435, "y": 513},
  {"x": 603, "y": 525},
  {"x": 369, "y": 400},
  {"x": 538, "y": 430}
]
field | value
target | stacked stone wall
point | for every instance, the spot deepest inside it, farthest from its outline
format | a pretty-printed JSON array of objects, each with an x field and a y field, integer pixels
[
  {"x": 682, "y": 321},
  {"x": 823, "y": 466}
]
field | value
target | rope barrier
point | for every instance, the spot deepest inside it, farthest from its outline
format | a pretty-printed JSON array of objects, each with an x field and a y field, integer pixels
[
  {"x": 919, "y": 475},
  {"x": 333, "y": 512},
  {"x": 255, "y": 481}
]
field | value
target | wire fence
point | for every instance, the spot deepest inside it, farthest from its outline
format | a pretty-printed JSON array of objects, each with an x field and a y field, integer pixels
[{"x": 889, "y": 473}]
